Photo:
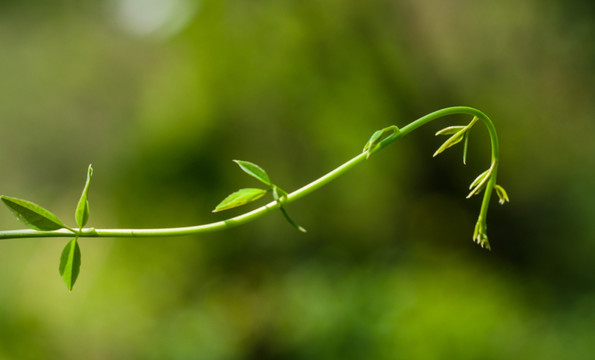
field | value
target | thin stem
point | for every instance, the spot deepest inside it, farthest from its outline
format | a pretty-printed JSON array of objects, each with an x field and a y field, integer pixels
[{"x": 297, "y": 194}]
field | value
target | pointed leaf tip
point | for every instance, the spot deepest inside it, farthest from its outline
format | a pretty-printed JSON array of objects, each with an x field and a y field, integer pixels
[
  {"x": 502, "y": 195},
  {"x": 480, "y": 181},
  {"x": 82, "y": 209},
  {"x": 290, "y": 220},
  {"x": 450, "y": 130},
  {"x": 372, "y": 141},
  {"x": 480, "y": 178},
  {"x": 465, "y": 147},
  {"x": 480, "y": 236},
  {"x": 70, "y": 263},
  {"x": 32, "y": 214},
  {"x": 280, "y": 196},
  {"x": 255, "y": 171},
  {"x": 377, "y": 137},
  {"x": 239, "y": 198},
  {"x": 453, "y": 140}
]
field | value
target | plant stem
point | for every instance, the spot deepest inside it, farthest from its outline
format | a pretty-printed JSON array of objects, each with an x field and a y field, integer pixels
[{"x": 297, "y": 194}]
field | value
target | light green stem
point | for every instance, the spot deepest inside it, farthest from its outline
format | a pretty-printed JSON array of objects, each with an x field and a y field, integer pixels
[{"x": 297, "y": 194}]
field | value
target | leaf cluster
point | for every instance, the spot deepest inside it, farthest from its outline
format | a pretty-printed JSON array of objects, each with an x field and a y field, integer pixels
[
  {"x": 248, "y": 195},
  {"x": 460, "y": 133},
  {"x": 40, "y": 219}
]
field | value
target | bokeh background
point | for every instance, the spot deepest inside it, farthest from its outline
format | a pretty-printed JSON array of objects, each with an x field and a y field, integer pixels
[{"x": 161, "y": 95}]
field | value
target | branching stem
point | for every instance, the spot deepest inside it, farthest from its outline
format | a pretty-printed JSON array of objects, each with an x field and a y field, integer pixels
[{"x": 297, "y": 194}]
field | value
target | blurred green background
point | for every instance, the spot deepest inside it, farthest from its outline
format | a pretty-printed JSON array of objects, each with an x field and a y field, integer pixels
[{"x": 161, "y": 95}]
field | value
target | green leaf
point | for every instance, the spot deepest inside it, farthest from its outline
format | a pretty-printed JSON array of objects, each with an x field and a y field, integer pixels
[
  {"x": 373, "y": 140},
  {"x": 291, "y": 221},
  {"x": 254, "y": 171},
  {"x": 480, "y": 235},
  {"x": 465, "y": 146},
  {"x": 480, "y": 178},
  {"x": 479, "y": 183},
  {"x": 82, "y": 210},
  {"x": 377, "y": 137},
  {"x": 453, "y": 140},
  {"x": 239, "y": 198},
  {"x": 70, "y": 263},
  {"x": 280, "y": 196},
  {"x": 450, "y": 130},
  {"x": 33, "y": 215},
  {"x": 502, "y": 195}
]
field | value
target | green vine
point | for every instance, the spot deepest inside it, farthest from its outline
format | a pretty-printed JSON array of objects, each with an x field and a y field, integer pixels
[{"x": 43, "y": 223}]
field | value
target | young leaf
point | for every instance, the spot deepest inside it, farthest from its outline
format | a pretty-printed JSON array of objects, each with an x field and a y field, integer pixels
[
  {"x": 70, "y": 263},
  {"x": 502, "y": 195},
  {"x": 450, "y": 130},
  {"x": 478, "y": 184},
  {"x": 33, "y": 215},
  {"x": 480, "y": 236},
  {"x": 479, "y": 179},
  {"x": 82, "y": 210},
  {"x": 279, "y": 195},
  {"x": 373, "y": 140},
  {"x": 254, "y": 171},
  {"x": 465, "y": 146},
  {"x": 239, "y": 198},
  {"x": 377, "y": 137},
  {"x": 291, "y": 221},
  {"x": 453, "y": 140}
]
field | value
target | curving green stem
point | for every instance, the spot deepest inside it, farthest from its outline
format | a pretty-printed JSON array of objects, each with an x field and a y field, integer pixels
[{"x": 479, "y": 235}]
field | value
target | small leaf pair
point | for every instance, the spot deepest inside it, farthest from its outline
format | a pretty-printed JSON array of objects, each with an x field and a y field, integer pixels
[
  {"x": 377, "y": 137},
  {"x": 459, "y": 133},
  {"x": 502, "y": 195},
  {"x": 480, "y": 182},
  {"x": 38, "y": 218},
  {"x": 245, "y": 196}
]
